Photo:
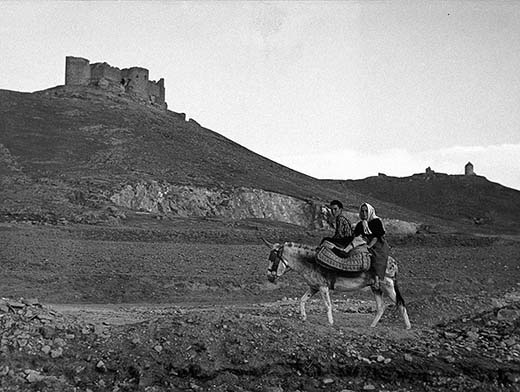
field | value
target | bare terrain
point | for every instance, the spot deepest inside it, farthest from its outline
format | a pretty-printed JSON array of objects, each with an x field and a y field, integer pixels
[
  {"x": 186, "y": 305},
  {"x": 131, "y": 260}
]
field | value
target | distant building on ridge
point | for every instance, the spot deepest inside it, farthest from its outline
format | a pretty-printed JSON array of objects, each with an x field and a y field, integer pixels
[{"x": 468, "y": 169}]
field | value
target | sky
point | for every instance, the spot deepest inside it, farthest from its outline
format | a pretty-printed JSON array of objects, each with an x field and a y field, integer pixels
[{"x": 332, "y": 89}]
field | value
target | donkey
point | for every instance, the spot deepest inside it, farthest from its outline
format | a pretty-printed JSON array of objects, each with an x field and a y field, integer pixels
[{"x": 302, "y": 259}]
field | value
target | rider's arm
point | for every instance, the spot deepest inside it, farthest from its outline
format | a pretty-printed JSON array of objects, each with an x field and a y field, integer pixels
[
  {"x": 376, "y": 226},
  {"x": 343, "y": 228},
  {"x": 372, "y": 242}
]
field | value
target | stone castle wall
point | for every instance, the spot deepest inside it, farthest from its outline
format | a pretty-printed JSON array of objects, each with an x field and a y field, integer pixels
[
  {"x": 77, "y": 71},
  {"x": 134, "y": 81},
  {"x": 99, "y": 71},
  {"x": 156, "y": 90}
]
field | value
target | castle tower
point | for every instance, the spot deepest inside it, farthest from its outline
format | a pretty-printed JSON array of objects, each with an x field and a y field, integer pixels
[
  {"x": 162, "y": 95},
  {"x": 77, "y": 71},
  {"x": 136, "y": 81},
  {"x": 468, "y": 169}
]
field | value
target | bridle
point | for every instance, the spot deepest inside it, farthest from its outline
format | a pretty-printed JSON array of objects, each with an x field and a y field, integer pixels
[{"x": 275, "y": 257}]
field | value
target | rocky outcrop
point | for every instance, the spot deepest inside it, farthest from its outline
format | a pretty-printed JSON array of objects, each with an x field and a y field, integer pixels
[
  {"x": 396, "y": 226},
  {"x": 393, "y": 226},
  {"x": 234, "y": 203}
]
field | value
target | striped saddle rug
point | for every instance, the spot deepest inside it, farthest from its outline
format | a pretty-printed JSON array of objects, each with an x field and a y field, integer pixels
[{"x": 356, "y": 260}]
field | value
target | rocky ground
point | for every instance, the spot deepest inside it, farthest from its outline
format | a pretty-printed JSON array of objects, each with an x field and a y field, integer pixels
[{"x": 146, "y": 308}]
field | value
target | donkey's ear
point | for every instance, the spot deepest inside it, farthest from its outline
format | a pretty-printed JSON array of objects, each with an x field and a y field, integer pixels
[{"x": 269, "y": 244}]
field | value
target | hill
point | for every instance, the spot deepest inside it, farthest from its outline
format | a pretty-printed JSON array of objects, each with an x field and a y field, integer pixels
[
  {"x": 87, "y": 155},
  {"x": 473, "y": 201}
]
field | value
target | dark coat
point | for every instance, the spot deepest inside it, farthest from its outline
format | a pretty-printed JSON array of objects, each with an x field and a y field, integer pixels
[{"x": 380, "y": 249}]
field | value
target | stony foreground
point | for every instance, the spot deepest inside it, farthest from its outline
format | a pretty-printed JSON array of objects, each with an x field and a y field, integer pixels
[{"x": 260, "y": 347}]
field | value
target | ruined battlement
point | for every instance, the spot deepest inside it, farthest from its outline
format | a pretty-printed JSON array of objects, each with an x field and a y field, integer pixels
[{"x": 133, "y": 81}]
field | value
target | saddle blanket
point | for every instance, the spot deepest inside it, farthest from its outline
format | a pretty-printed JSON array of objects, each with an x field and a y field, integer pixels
[{"x": 356, "y": 260}]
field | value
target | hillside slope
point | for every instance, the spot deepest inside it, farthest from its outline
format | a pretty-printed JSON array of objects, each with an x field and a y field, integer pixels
[
  {"x": 77, "y": 133},
  {"x": 88, "y": 155},
  {"x": 472, "y": 200},
  {"x": 76, "y": 153}
]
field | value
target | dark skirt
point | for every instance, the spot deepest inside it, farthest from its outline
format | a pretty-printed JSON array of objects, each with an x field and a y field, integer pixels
[{"x": 379, "y": 253}]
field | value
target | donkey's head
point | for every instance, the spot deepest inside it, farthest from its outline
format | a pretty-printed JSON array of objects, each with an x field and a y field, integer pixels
[{"x": 277, "y": 266}]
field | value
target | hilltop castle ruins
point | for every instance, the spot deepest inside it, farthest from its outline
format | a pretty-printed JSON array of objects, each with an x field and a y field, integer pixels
[{"x": 133, "y": 81}]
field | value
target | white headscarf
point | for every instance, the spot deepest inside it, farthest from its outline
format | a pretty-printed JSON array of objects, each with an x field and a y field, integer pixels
[{"x": 370, "y": 216}]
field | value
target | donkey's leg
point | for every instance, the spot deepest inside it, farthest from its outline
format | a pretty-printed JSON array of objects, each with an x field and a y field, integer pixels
[
  {"x": 404, "y": 313},
  {"x": 392, "y": 292},
  {"x": 324, "y": 291},
  {"x": 308, "y": 294},
  {"x": 380, "y": 306}
]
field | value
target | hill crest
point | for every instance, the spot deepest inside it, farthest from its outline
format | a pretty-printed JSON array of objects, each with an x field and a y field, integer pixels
[{"x": 469, "y": 199}]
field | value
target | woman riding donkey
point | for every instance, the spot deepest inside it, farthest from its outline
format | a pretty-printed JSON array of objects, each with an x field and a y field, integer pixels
[{"x": 372, "y": 230}]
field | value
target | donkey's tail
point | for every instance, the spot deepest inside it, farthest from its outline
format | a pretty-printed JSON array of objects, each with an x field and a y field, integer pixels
[{"x": 399, "y": 300}]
